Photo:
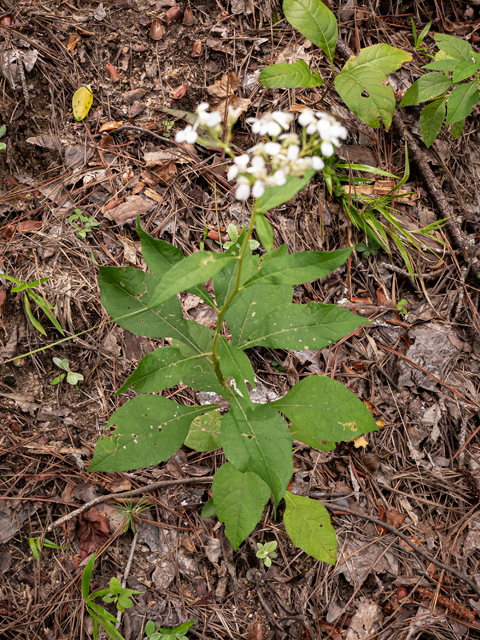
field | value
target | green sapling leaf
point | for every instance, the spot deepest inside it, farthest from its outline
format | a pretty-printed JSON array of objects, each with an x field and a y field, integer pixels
[
  {"x": 204, "y": 434},
  {"x": 431, "y": 120},
  {"x": 290, "y": 76},
  {"x": 315, "y": 21},
  {"x": 460, "y": 102},
  {"x": 426, "y": 88}
]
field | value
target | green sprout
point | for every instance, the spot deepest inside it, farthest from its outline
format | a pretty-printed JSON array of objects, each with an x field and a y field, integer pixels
[
  {"x": 175, "y": 633},
  {"x": 3, "y": 131},
  {"x": 36, "y": 546},
  {"x": 417, "y": 42},
  {"x": 72, "y": 377},
  {"x": 131, "y": 513},
  {"x": 85, "y": 227},
  {"x": 234, "y": 234},
  {"x": 402, "y": 306},
  {"x": 266, "y": 552}
]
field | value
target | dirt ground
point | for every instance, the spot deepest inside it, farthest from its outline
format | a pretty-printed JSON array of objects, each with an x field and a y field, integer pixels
[{"x": 418, "y": 372}]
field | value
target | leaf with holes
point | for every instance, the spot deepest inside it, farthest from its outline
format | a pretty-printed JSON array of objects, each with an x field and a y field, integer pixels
[
  {"x": 204, "y": 434},
  {"x": 363, "y": 84}
]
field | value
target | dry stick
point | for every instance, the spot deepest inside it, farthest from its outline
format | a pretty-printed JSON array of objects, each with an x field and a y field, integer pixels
[
  {"x": 127, "y": 494},
  {"x": 465, "y": 246},
  {"x": 461, "y": 576}
]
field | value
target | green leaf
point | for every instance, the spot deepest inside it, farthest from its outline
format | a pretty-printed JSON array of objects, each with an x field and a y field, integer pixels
[
  {"x": 302, "y": 326},
  {"x": 362, "y": 83},
  {"x": 444, "y": 63},
  {"x": 324, "y": 409},
  {"x": 35, "y": 547},
  {"x": 425, "y": 88},
  {"x": 61, "y": 364},
  {"x": 150, "y": 628},
  {"x": 290, "y": 76},
  {"x": 366, "y": 167},
  {"x": 314, "y": 21},
  {"x": 456, "y": 130},
  {"x": 264, "y": 232},
  {"x": 431, "y": 120},
  {"x": 204, "y": 434},
  {"x": 464, "y": 70},
  {"x": 33, "y": 320},
  {"x": 159, "y": 370},
  {"x": 275, "y": 196},
  {"x": 3, "y": 130},
  {"x": 315, "y": 443},
  {"x": 86, "y": 577},
  {"x": 149, "y": 429},
  {"x": 308, "y": 524},
  {"x": 224, "y": 281},
  {"x": 208, "y": 510},
  {"x": 45, "y": 307},
  {"x": 74, "y": 378},
  {"x": 298, "y": 268},
  {"x": 461, "y": 101},
  {"x": 234, "y": 363},
  {"x": 193, "y": 270},
  {"x": 255, "y": 438},
  {"x": 239, "y": 500},
  {"x": 160, "y": 256},
  {"x": 455, "y": 47}
]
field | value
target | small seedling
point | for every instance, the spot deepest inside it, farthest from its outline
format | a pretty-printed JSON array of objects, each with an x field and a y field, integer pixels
[
  {"x": 115, "y": 593},
  {"x": 131, "y": 513},
  {"x": 277, "y": 365},
  {"x": 45, "y": 306},
  {"x": 3, "y": 131},
  {"x": 266, "y": 552},
  {"x": 85, "y": 227},
  {"x": 159, "y": 633},
  {"x": 36, "y": 546},
  {"x": 402, "y": 306},
  {"x": 368, "y": 249},
  {"x": 167, "y": 124},
  {"x": 417, "y": 42},
  {"x": 72, "y": 377},
  {"x": 234, "y": 234}
]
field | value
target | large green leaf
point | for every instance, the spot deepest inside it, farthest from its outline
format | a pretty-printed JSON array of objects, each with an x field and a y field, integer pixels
[
  {"x": 160, "y": 256},
  {"x": 298, "y": 268},
  {"x": 308, "y": 524},
  {"x": 264, "y": 232},
  {"x": 301, "y": 326},
  {"x": 324, "y": 409},
  {"x": 454, "y": 47},
  {"x": 126, "y": 295},
  {"x": 426, "y": 88},
  {"x": 275, "y": 196},
  {"x": 362, "y": 83},
  {"x": 159, "y": 370},
  {"x": 234, "y": 363},
  {"x": 149, "y": 430},
  {"x": 289, "y": 76},
  {"x": 255, "y": 438},
  {"x": 315, "y": 443},
  {"x": 315, "y": 21},
  {"x": 461, "y": 101},
  {"x": 239, "y": 500},
  {"x": 204, "y": 434},
  {"x": 224, "y": 281},
  {"x": 431, "y": 120},
  {"x": 193, "y": 270},
  {"x": 464, "y": 70}
]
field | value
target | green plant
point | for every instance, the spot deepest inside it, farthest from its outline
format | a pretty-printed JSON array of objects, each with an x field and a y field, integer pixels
[
  {"x": 253, "y": 296},
  {"x": 36, "y": 546},
  {"x": 3, "y": 131},
  {"x": 371, "y": 248},
  {"x": 131, "y": 513},
  {"x": 115, "y": 593},
  {"x": 417, "y": 42},
  {"x": 167, "y": 124},
  {"x": 362, "y": 83},
  {"x": 44, "y": 305},
  {"x": 85, "y": 227},
  {"x": 175, "y": 633},
  {"x": 72, "y": 377},
  {"x": 233, "y": 234},
  {"x": 444, "y": 88},
  {"x": 402, "y": 306},
  {"x": 266, "y": 552}
]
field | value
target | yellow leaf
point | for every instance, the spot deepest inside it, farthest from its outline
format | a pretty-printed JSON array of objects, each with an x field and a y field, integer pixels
[
  {"x": 81, "y": 102},
  {"x": 360, "y": 442},
  {"x": 380, "y": 423}
]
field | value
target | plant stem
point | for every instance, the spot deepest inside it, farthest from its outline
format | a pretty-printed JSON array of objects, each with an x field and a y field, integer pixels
[{"x": 223, "y": 310}]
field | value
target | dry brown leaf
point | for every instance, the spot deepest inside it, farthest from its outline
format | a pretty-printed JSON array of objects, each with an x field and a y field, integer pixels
[
  {"x": 73, "y": 41},
  {"x": 129, "y": 210},
  {"x": 111, "y": 205},
  {"x": 383, "y": 188},
  {"x": 29, "y": 225},
  {"x": 110, "y": 126},
  {"x": 153, "y": 195},
  {"x": 222, "y": 93},
  {"x": 3, "y": 295},
  {"x": 154, "y": 158},
  {"x": 116, "y": 486},
  {"x": 166, "y": 172},
  {"x": 8, "y": 232}
]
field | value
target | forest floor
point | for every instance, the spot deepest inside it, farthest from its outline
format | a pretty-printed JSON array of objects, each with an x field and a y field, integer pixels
[{"x": 415, "y": 366}]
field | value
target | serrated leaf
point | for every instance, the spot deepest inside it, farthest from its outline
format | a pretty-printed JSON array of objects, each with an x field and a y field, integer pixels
[
  {"x": 308, "y": 524},
  {"x": 454, "y": 47},
  {"x": 275, "y": 196},
  {"x": 431, "y": 120},
  {"x": 159, "y": 370},
  {"x": 204, "y": 434},
  {"x": 359, "y": 83},
  {"x": 255, "y": 438},
  {"x": 290, "y": 76},
  {"x": 264, "y": 232},
  {"x": 324, "y": 409},
  {"x": 161, "y": 256},
  {"x": 148, "y": 430},
  {"x": 234, "y": 363},
  {"x": 426, "y": 88},
  {"x": 464, "y": 70},
  {"x": 193, "y": 270},
  {"x": 461, "y": 101},
  {"x": 315, "y": 21},
  {"x": 239, "y": 500},
  {"x": 298, "y": 268},
  {"x": 301, "y": 326}
]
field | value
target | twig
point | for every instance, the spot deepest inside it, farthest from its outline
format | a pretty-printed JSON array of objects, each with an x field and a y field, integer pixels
[
  {"x": 458, "y": 574},
  {"x": 126, "y": 574},
  {"x": 127, "y": 494}
]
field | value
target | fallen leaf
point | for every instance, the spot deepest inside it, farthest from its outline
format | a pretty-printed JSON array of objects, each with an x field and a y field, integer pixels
[
  {"x": 153, "y": 195},
  {"x": 29, "y": 225},
  {"x": 93, "y": 531},
  {"x": 154, "y": 158},
  {"x": 129, "y": 210},
  {"x": 166, "y": 172},
  {"x": 110, "y": 126},
  {"x": 3, "y": 295},
  {"x": 179, "y": 92},
  {"x": 136, "y": 109},
  {"x": 73, "y": 41},
  {"x": 197, "y": 49},
  {"x": 116, "y": 486},
  {"x": 45, "y": 141},
  {"x": 223, "y": 97},
  {"x": 360, "y": 442}
]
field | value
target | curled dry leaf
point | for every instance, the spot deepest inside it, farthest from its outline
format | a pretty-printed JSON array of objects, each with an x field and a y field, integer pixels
[
  {"x": 136, "y": 109},
  {"x": 179, "y": 92},
  {"x": 188, "y": 19},
  {"x": 8, "y": 232},
  {"x": 133, "y": 206},
  {"x": 110, "y": 126},
  {"x": 29, "y": 225},
  {"x": 157, "y": 30},
  {"x": 197, "y": 49},
  {"x": 73, "y": 41},
  {"x": 112, "y": 72},
  {"x": 223, "y": 96},
  {"x": 174, "y": 14},
  {"x": 111, "y": 205}
]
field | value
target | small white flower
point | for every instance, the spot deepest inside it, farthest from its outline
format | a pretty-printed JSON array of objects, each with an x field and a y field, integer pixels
[
  {"x": 187, "y": 135},
  {"x": 292, "y": 152},
  {"x": 257, "y": 165},
  {"x": 240, "y": 166},
  {"x": 271, "y": 124},
  {"x": 272, "y": 148},
  {"x": 283, "y": 119},
  {"x": 258, "y": 189},
  {"x": 327, "y": 148},
  {"x": 312, "y": 128},
  {"x": 233, "y": 115},
  {"x": 306, "y": 117},
  {"x": 232, "y": 172},
  {"x": 243, "y": 191},
  {"x": 279, "y": 177},
  {"x": 317, "y": 163}
]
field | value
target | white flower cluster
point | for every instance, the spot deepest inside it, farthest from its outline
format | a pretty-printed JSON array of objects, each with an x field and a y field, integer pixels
[
  {"x": 326, "y": 126},
  {"x": 205, "y": 119}
]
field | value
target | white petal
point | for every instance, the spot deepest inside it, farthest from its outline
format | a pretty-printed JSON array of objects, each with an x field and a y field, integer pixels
[
  {"x": 258, "y": 163},
  {"x": 306, "y": 118},
  {"x": 258, "y": 189},
  {"x": 272, "y": 148},
  {"x": 327, "y": 149},
  {"x": 324, "y": 129},
  {"x": 292, "y": 152},
  {"x": 190, "y": 136},
  {"x": 204, "y": 106},
  {"x": 232, "y": 172},
  {"x": 213, "y": 119},
  {"x": 312, "y": 128},
  {"x": 317, "y": 163},
  {"x": 242, "y": 160},
  {"x": 273, "y": 129},
  {"x": 180, "y": 136},
  {"x": 280, "y": 178},
  {"x": 243, "y": 192}
]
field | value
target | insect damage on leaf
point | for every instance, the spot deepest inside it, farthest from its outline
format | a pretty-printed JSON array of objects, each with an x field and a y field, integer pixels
[{"x": 81, "y": 102}]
